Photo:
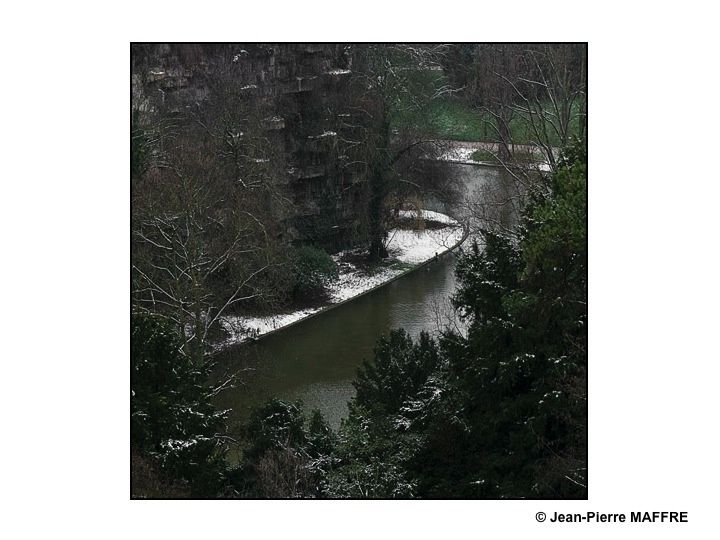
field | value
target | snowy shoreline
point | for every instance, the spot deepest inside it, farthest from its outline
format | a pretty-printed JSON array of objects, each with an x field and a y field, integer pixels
[
  {"x": 463, "y": 155},
  {"x": 408, "y": 250}
]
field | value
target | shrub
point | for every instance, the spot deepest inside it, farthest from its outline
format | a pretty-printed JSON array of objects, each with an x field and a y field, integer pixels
[
  {"x": 314, "y": 271},
  {"x": 286, "y": 454}
]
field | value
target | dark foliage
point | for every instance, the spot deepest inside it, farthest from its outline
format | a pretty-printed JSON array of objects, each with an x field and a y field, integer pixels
[
  {"x": 500, "y": 413},
  {"x": 375, "y": 445},
  {"x": 286, "y": 455},
  {"x": 173, "y": 422},
  {"x": 497, "y": 412},
  {"x": 313, "y": 271},
  {"x": 399, "y": 370}
]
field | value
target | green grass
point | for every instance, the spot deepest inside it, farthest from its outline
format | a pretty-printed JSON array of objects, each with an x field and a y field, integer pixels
[
  {"x": 454, "y": 120},
  {"x": 451, "y": 119},
  {"x": 482, "y": 155}
]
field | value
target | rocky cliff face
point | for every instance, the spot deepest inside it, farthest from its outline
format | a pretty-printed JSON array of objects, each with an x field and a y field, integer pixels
[{"x": 304, "y": 85}]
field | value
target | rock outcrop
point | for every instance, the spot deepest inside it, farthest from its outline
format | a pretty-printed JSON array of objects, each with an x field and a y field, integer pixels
[{"x": 305, "y": 87}]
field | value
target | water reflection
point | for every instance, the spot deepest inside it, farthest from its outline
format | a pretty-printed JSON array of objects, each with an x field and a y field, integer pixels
[{"x": 315, "y": 361}]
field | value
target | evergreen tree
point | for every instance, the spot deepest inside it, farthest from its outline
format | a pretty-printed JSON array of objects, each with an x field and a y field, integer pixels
[
  {"x": 375, "y": 445},
  {"x": 172, "y": 419},
  {"x": 286, "y": 455},
  {"x": 519, "y": 376},
  {"x": 500, "y": 412}
]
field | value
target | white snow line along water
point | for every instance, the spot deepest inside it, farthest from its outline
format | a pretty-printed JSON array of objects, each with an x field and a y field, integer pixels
[{"x": 409, "y": 247}]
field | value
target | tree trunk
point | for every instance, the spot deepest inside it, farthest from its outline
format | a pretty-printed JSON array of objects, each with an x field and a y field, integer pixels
[
  {"x": 378, "y": 189},
  {"x": 377, "y": 230},
  {"x": 504, "y": 136}
]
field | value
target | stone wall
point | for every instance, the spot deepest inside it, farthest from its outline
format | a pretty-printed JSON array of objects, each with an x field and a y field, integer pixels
[{"x": 306, "y": 86}]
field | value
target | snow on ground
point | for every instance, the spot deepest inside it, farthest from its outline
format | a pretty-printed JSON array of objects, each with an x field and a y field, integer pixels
[
  {"x": 416, "y": 247},
  {"x": 323, "y": 135},
  {"x": 428, "y": 215},
  {"x": 458, "y": 154},
  {"x": 354, "y": 281},
  {"x": 404, "y": 246},
  {"x": 241, "y": 328}
]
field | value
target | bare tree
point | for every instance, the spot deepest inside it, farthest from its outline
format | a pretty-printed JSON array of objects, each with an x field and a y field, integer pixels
[
  {"x": 207, "y": 216},
  {"x": 551, "y": 97},
  {"x": 390, "y": 82},
  {"x": 532, "y": 102},
  {"x": 284, "y": 473},
  {"x": 539, "y": 89}
]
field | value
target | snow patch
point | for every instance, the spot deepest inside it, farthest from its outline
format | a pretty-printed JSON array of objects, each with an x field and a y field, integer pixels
[
  {"x": 324, "y": 134},
  {"x": 428, "y": 215},
  {"x": 458, "y": 154},
  {"x": 354, "y": 281},
  {"x": 416, "y": 247},
  {"x": 406, "y": 246},
  {"x": 241, "y": 328}
]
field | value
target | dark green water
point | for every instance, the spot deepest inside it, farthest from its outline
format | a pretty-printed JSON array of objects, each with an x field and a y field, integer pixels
[{"x": 315, "y": 361}]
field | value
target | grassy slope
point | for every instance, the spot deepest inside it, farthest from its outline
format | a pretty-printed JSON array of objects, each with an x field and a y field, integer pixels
[{"x": 451, "y": 119}]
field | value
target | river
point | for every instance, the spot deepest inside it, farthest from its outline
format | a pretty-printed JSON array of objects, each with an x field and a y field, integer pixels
[{"x": 316, "y": 360}]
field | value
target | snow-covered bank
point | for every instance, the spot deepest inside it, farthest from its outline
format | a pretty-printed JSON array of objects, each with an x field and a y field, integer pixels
[
  {"x": 407, "y": 249},
  {"x": 463, "y": 155}
]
